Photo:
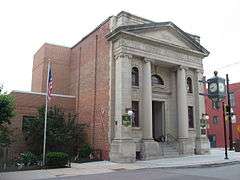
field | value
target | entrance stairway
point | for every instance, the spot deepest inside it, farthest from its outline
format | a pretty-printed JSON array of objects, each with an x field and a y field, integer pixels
[
  {"x": 169, "y": 150},
  {"x": 169, "y": 146}
]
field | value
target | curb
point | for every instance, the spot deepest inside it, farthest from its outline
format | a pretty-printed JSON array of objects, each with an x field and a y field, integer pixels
[{"x": 199, "y": 165}]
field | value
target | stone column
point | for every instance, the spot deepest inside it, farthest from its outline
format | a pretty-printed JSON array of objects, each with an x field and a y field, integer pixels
[
  {"x": 147, "y": 101},
  {"x": 202, "y": 142},
  {"x": 182, "y": 104},
  {"x": 123, "y": 148},
  {"x": 150, "y": 148},
  {"x": 185, "y": 144}
]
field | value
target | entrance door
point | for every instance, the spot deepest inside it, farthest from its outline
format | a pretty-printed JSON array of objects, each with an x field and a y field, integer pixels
[
  {"x": 212, "y": 139},
  {"x": 158, "y": 120}
]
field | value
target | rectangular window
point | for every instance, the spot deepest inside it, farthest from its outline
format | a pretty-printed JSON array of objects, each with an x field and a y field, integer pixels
[
  {"x": 25, "y": 122},
  {"x": 135, "y": 109},
  {"x": 215, "y": 119},
  {"x": 190, "y": 117},
  {"x": 215, "y": 104},
  {"x": 232, "y": 99}
]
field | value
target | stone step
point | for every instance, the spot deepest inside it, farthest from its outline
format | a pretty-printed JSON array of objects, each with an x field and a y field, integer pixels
[{"x": 169, "y": 150}]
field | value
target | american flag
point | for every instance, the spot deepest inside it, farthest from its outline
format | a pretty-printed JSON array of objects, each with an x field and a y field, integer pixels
[{"x": 50, "y": 84}]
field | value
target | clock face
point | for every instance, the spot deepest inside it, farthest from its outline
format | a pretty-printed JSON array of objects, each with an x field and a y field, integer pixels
[
  {"x": 213, "y": 87},
  {"x": 221, "y": 87}
]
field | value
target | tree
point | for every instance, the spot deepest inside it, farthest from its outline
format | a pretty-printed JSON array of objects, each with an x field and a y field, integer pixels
[
  {"x": 7, "y": 111},
  {"x": 63, "y": 132},
  {"x": 7, "y": 107}
]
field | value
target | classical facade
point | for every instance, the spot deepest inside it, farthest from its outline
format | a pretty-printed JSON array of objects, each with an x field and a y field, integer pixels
[{"x": 131, "y": 63}]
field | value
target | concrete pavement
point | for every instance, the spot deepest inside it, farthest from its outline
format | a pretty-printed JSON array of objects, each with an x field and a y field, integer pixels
[{"x": 215, "y": 158}]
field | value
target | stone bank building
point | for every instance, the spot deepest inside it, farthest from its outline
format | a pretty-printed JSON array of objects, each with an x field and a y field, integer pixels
[{"x": 126, "y": 63}]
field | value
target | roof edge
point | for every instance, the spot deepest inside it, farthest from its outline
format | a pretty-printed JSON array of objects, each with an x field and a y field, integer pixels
[
  {"x": 40, "y": 93},
  {"x": 106, "y": 20}
]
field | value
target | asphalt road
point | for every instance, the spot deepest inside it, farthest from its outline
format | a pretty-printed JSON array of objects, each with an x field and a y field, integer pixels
[{"x": 230, "y": 172}]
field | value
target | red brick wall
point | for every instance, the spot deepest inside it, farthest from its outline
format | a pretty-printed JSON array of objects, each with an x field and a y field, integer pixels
[
  {"x": 92, "y": 99},
  {"x": 217, "y": 129},
  {"x": 60, "y": 59},
  {"x": 27, "y": 105}
]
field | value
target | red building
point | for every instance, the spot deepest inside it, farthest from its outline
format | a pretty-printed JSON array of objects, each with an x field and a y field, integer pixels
[{"x": 215, "y": 128}]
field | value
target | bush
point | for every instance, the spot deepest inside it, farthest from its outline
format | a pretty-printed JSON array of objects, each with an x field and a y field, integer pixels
[
  {"x": 85, "y": 151},
  {"x": 27, "y": 159},
  {"x": 57, "y": 159},
  {"x": 64, "y": 134}
]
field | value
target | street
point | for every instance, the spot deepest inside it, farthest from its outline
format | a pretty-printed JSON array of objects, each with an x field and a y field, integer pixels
[{"x": 231, "y": 172}]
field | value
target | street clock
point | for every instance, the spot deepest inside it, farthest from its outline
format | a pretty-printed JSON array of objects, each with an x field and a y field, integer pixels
[{"x": 216, "y": 88}]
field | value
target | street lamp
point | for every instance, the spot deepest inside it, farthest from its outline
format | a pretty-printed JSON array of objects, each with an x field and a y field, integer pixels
[{"x": 217, "y": 92}]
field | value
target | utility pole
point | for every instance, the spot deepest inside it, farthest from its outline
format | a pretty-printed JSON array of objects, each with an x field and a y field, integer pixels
[{"x": 229, "y": 115}]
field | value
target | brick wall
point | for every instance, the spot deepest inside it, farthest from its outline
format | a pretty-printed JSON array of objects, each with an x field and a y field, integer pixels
[
  {"x": 27, "y": 104},
  {"x": 59, "y": 57},
  {"x": 89, "y": 77},
  {"x": 217, "y": 129}
]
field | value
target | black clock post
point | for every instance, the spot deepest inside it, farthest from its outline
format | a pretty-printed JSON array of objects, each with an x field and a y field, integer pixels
[{"x": 217, "y": 92}]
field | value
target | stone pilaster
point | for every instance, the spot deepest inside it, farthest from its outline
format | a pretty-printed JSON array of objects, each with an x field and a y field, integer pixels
[
  {"x": 150, "y": 148},
  {"x": 123, "y": 148},
  {"x": 202, "y": 142}
]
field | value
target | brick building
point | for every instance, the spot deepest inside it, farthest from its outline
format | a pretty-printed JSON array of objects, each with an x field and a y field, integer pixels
[
  {"x": 215, "y": 130},
  {"x": 129, "y": 62}
]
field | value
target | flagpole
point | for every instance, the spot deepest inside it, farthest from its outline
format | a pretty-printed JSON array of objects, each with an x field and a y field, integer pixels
[{"x": 45, "y": 120}]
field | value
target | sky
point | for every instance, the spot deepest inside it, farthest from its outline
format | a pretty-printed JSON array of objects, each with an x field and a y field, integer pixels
[{"x": 25, "y": 25}]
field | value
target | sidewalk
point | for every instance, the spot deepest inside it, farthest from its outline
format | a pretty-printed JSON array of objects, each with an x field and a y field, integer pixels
[{"x": 216, "y": 158}]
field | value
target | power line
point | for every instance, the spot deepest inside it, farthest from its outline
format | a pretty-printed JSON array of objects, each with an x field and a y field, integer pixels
[{"x": 229, "y": 65}]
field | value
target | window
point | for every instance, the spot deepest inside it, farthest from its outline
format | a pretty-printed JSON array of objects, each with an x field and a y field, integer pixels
[
  {"x": 232, "y": 99},
  {"x": 156, "y": 79},
  {"x": 189, "y": 85},
  {"x": 25, "y": 122},
  {"x": 135, "y": 109},
  {"x": 135, "y": 76},
  {"x": 215, "y": 104},
  {"x": 190, "y": 117},
  {"x": 215, "y": 120}
]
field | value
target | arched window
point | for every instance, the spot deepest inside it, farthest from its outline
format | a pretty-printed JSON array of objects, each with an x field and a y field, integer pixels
[
  {"x": 189, "y": 85},
  {"x": 135, "y": 76},
  {"x": 156, "y": 79}
]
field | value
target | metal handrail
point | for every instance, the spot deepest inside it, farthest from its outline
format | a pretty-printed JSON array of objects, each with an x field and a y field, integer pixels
[{"x": 171, "y": 139}]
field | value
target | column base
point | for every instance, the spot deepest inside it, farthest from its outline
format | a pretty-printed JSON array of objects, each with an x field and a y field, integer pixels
[
  {"x": 123, "y": 151},
  {"x": 202, "y": 145},
  {"x": 186, "y": 146},
  {"x": 150, "y": 150}
]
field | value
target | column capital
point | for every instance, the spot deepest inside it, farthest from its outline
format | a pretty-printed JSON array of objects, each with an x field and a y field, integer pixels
[
  {"x": 199, "y": 71},
  {"x": 182, "y": 67},
  {"x": 146, "y": 60},
  {"x": 123, "y": 55}
]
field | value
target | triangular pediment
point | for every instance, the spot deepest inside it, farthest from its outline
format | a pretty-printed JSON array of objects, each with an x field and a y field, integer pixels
[
  {"x": 163, "y": 32},
  {"x": 166, "y": 34}
]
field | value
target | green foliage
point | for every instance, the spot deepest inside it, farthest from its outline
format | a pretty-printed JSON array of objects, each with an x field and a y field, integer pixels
[
  {"x": 63, "y": 132},
  {"x": 57, "y": 159},
  {"x": 27, "y": 159},
  {"x": 7, "y": 111},
  {"x": 85, "y": 151},
  {"x": 7, "y": 107},
  {"x": 4, "y": 136}
]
